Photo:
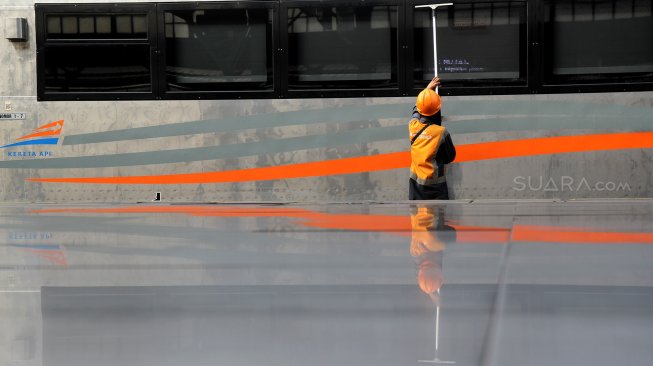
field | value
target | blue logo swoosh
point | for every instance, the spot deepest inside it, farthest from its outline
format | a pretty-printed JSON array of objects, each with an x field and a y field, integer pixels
[{"x": 48, "y": 141}]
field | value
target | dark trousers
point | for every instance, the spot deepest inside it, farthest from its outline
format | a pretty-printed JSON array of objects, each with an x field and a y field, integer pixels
[{"x": 417, "y": 191}]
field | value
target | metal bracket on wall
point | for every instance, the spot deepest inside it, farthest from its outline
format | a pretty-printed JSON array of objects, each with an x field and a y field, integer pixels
[{"x": 16, "y": 29}]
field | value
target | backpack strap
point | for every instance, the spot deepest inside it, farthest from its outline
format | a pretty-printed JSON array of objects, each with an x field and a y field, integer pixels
[{"x": 419, "y": 133}]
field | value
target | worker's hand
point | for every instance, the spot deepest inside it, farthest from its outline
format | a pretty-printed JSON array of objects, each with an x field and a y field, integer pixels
[{"x": 434, "y": 83}]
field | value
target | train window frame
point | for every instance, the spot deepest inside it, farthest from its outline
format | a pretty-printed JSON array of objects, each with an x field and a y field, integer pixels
[
  {"x": 474, "y": 88},
  {"x": 548, "y": 85},
  {"x": 42, "y": 11},
  {"x": 534, "y": 58},
  {"x": 218, "y": 94},
  {"x": 344, "y": 92}
]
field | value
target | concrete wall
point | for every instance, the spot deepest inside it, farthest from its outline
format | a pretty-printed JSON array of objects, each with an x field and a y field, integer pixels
[{"x": 143, "y": 138}]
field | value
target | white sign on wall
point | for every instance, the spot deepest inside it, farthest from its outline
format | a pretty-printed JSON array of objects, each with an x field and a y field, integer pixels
[{"x": 13, "y": 115}]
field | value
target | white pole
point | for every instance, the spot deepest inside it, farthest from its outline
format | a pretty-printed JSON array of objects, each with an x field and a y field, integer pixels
[
  {"x": 437, "y": 327},
  {"x": 435, "y": 46},
  {"x": 435, "y": 42},
  {"x": 436, "y": 359}
]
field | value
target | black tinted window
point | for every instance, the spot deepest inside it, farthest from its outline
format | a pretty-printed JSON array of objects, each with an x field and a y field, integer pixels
[
  {"x": 95, "y": 50},
  {"x": 219, "y": 49},
  {"x": 478, "y": 43},
  {"x": 95, "y": 68},
  {"x": 342, "y": 47},
  {"x": 598, "y": 40}
]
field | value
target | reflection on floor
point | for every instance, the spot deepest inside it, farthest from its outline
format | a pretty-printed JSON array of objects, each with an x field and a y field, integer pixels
[{"x": 470, "y": 283}]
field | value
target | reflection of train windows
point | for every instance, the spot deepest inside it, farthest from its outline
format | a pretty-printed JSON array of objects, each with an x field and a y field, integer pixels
[
  {"x": 598, "y": 40},
  {"x": 379, "y": 325},
  {"x": 96, "y": 26}
]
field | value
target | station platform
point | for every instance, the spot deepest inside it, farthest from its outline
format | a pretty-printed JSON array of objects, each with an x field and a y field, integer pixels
[{"x": 528, "y": 282}]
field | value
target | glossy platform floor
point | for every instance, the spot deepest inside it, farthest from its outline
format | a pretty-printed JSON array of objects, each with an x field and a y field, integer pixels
[{"x": 475, "y": 283}]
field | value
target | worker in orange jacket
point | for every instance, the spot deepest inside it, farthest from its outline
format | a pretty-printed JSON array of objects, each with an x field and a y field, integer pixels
[{"x": 431, "y": 147}]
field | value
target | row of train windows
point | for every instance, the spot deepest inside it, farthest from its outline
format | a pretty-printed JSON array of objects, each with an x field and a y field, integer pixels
[{"x": 381, "y": 47}]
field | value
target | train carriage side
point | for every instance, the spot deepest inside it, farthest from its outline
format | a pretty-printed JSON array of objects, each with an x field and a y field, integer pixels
[{"x": 309, "y": 100}]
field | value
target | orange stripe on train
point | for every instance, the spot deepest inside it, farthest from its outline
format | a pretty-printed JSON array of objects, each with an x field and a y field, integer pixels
[{"x": 397, "y": 160}]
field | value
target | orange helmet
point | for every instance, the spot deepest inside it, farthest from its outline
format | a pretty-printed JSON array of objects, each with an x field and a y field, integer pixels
[
  {"x": 429, "y": 277},
  {"x": 428, "y": 102}
]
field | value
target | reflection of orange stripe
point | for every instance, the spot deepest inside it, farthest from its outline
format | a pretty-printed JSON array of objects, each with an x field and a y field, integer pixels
[
  {"x": 554, "y": 234},
  {"x": 395, "y": 225},
  {"x": 547, "y": 234},
  {"x": 465, "y": 153},
  {"x": 53, "y": 256}
]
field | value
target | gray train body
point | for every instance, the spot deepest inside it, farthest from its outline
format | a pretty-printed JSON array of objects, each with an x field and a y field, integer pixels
[{"x": 162, "y": 138}]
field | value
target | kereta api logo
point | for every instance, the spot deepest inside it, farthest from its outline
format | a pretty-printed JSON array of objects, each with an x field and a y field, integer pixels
[{"x": 47, "y": 134}]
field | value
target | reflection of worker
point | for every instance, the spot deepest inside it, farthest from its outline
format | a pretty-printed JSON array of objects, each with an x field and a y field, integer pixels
[
  {"x": 431, "y": 147},
  {"x": 428, "y": 239}
]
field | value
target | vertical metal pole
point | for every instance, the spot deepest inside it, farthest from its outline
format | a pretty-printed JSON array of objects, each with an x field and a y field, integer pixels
[
  {"x": 435, "y": 43},
  {"x": 435, "y": 47},
  {"x": 437, "y": 326}
]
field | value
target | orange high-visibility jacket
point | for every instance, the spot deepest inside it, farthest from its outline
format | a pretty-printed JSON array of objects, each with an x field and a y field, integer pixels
[{"x": 429, "y": 153}]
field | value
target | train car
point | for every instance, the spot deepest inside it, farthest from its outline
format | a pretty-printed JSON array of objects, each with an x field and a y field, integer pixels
[{"x": 115, "y": 101}]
